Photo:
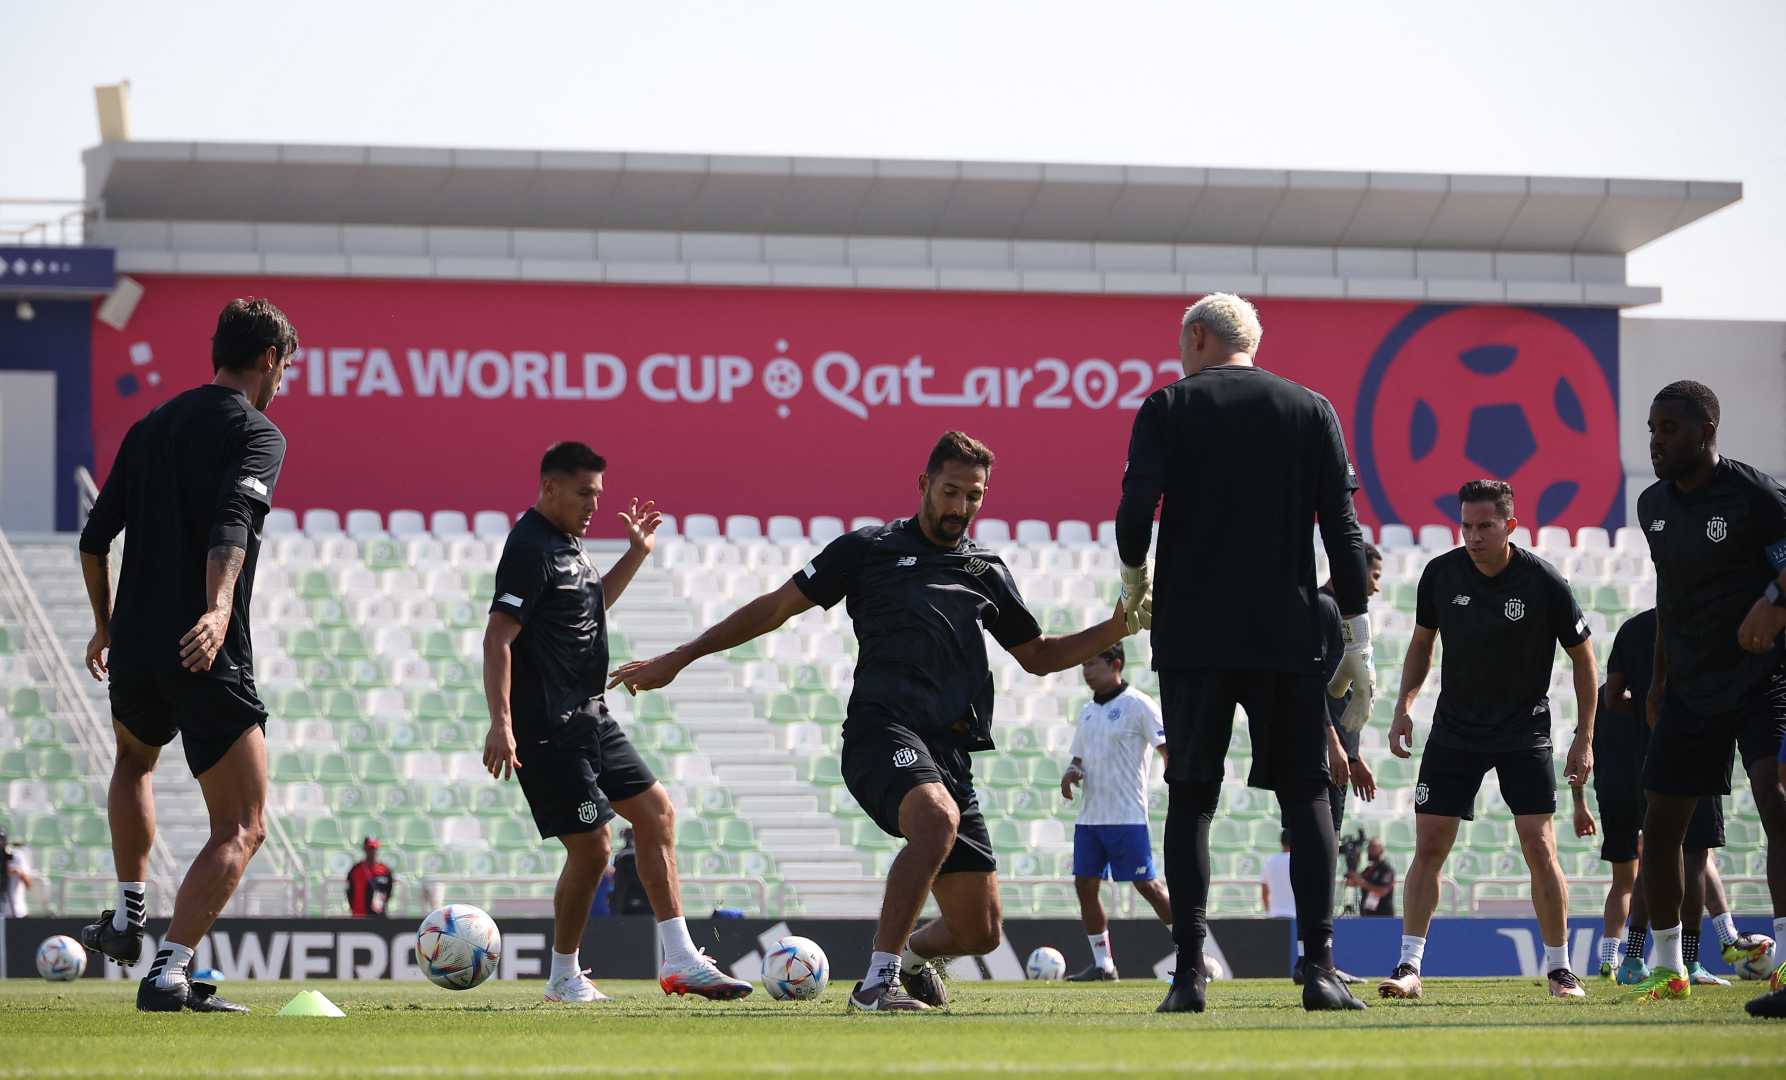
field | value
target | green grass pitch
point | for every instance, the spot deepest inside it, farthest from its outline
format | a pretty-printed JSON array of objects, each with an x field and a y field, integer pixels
[{"x": 1502, "y": 1027}]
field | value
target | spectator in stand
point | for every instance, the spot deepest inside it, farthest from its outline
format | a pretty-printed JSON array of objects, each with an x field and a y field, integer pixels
[
  {"x": 368, "y": 884},
  {"x": 1375, "y": 883},
  {"x": 15, "y": 878},
  {"x": 1274, "y": 884}
]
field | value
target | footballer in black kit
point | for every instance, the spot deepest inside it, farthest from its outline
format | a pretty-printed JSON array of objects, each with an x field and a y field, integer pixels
[
  {"x": 1717, "y": 535},
  {"x": 1244, "y": 462},
  {"x": 192, "y": 482},
  {"x": 1502, "y": 612},
  {"x": 920, "y": 594},
  {"x": 545, "y": 666}
]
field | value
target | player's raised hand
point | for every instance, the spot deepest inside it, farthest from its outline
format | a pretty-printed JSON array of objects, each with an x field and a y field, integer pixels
[
  {"x": 499, "y": 752},
  {"x": 659, "y": 671},
  {"x": 96, "y": 654},
  {"x": 1067, "y": 779},
  {"x": 641, "y": 525},
  {"x": 1401, "y": 734}
]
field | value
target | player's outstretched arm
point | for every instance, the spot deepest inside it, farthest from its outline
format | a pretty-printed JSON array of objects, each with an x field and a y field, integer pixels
[
  {"x": 753, "y": 620},
  {"x": 104, "y": 524},
  {"x": 641, "y": 532},
  {"x": 1415, "y": 666},
  {"x": 1587, "y": 680},
  {"x": 1045, "y": 655}
]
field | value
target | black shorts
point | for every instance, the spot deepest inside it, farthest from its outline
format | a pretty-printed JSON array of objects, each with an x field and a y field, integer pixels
[
  {"x": 1450, "y": 778},
  {"x": 207, "y": 711},
  {"x": 1286, "y": 717},
  {"x": 1618, "y": 788},
  {"x": 572, "y": 777},
  {"x": 1691, "y": 753},
  {"x": 882, "y": 764}
]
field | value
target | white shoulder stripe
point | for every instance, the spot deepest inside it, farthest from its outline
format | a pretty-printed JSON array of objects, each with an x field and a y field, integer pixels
[{"x": 510, "y": 599}]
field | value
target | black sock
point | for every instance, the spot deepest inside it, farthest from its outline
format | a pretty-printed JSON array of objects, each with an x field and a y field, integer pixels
[
  {"x": 1314, "y": 857},
  {"x": 1637, "y": 941},
  {"x": 1189, "y": 810},
  {"x": 1690, "y": 946}
]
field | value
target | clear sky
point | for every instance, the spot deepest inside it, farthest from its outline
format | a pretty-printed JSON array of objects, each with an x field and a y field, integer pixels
[{"x": 1585, "y": 87}]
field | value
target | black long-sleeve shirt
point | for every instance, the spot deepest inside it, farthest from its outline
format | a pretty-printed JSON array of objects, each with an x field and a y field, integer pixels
[
  {"x": 1245, "y": 462},
  {"x": 197, "y": 473}
]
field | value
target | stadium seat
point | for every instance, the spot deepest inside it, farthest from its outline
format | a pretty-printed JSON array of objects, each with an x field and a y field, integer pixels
[
  {"x": 993, "y": 532},
  {"x": 700, "y": 528},
  {"x": 1074, "y": 534},
  {"x": 364, "y": 524},
  {"x": 1436, "y": 539},
  {"x": 490, "y": 524},
  {"x": 280, "y": 522},
  {"x": 321, "y": 523},
  {"x": 823, "y": 530},
  {"x": 1032, "y": 531},
  {"x": 1553, "y": 541},
  {"x": 1396, "y": 537},
  {"x": 743, "y": 529},
  {"x": 1592, "y": 538},
  {"x": 448, "y": 524},
  {"x": 786, "y": 530},
  {"x": 866, "y": 523},
  {"x": 407, "y": 523}
]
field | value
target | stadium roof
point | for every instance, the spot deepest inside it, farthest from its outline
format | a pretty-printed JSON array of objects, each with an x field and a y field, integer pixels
[{"x": 547, "y": 189}]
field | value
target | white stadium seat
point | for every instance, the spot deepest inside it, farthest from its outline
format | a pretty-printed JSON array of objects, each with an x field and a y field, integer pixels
[
  {"x": 823, "y": 530},
  {"x": 865, "y": 523},
  {"x": 1553, "y": 539},
  {"x": 786, "y": 530},
  {"x": 1396, "y": 537},
  {"x": 1107, "y": 534},
  {"x": 668, "y": 526},
  {"x": 1630, "y": 540},
  {"x": 490, "y": 523},
  {"x": 1523, "y": 537},
  {"x": 1369, "y": 536},
  {"x": 407, "y": 523},
  {"x": 1592, "y": 538},
  {"x": 1074, "y": 533},
  {"x": 743, "y": 528},
  {"x": 362, "y": 524},
  {"x": 700, "y": 527},
  {"x": 992, "y": 531},
  {"x": 448, "y": 524},
  {"x": 1031, "y": 531},
  {"x": 321, "y": 523},
  {"x": 280, "y": 522},
  {"x": 1437, "y": 538}
]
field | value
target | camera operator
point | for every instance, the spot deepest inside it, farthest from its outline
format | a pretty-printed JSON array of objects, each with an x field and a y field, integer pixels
[
  {"x": 1376, "y": 884},
  {"x": 15, "y": 878}
]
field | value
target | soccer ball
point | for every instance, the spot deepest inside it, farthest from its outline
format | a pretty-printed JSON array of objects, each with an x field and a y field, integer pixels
[
  {"x": 796, "y": 969},
  {"x": 1046, "y": 963},
  {"x": 1761, "y": 961},
  {"x": 61, "y": 959},
  {"x": 458, "y": 946}
]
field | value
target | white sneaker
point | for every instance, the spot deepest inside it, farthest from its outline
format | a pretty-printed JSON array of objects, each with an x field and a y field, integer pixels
[
  {"x": 573, "y": 987},
  {"x": 700, "y": 976}
]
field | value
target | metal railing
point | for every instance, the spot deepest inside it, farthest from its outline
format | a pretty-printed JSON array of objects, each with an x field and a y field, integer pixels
[{"x": 33, "y": 222}]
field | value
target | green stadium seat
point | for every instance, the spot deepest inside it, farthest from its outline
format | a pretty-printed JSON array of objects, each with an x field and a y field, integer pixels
[
  {"x": 865, "y": 835},
  {"x": 53, "y": 764},
  {"x": 1055, "y": 898},
  {"x": 346, "y": 643},
  {"x": 439, "y": 645},
  {"x": 332, "y": 768},
  {"x": 1016, "y": 899},
  {"x": 384, "y": 554},
  {"x": 27, "y": 704},
  {"x": 366, "y": 673},
  {"x": 462, "y": 614},
  {"x": 710, "y": 863},
  {"x": 1008, "y": 772},
  {"x": 651, "y": 708},
  {"x": 496, "y": 800},
  {"x": 807, "y": 678},
  {"x": 1018, "y": 738},
  {"x": 377, "y": 767},
  {"x": 743, "y": 654},
  {"x": 407, "y": 735},
  {"x": 822, "y": 769},
  {"x": 91, "y": 831},
  {"x": 324, "y": 833},
  {"x": 1398, "y": 837},
  {"x": 1266, "y": 835},
  {"x": 785, "y": 707},
  {"x": 396, "y": 801},
  {"x": 827, "y": 707},
  {"x": 7, "y": 648},
  {"x": 714, "y": 801},
  {"x": 1394, "y": 772},
  {"x": 1488, "y": 835},
  {"x": 304, "y": 643},
  {"x": 1008, "y": 835},
  {"x": 620, "y": 649},
  {"x": 416, "y": 834},
  {"x": 511, "y": 834},
  {"x": 341, "y": 704},
  {"x": 433, "y": 706},
  {"x": 294, "y": 767},
  {"x": 39, "y": 732},
  {"x": 694, "y": 834},
  {"x": 453, "y": 736},
  {"x": 346, "y": 800},
  {"x": 358, "y": 735},
  {"x": 1226, "y": 898},
  {"x": 736, "y": 834},
  {"x": 758, "y": 864},
  {"x": 322, "y": 674},
  {"x": 1228, "y": 835},
  {"x": 44, "y": 832},
  {"x": 314, "y": 585},
  {"x": 13, "y": 765},
  {"x": 1405, "y": 596},
  {"x": 1033, "y": 803}
]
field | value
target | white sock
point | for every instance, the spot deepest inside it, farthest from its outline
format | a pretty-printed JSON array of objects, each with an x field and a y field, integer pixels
[
  {"x": 131, "y": 897},
  {"x": 1610, "y": 946},
  {"x": 565, "y": 965},
  {"x": 169, "y": 968},
  {"x": 1725, "y": 925},
  {"x": 678, "y": 947},
  {"x": 1668, "y": 949},
  {"x": 880, "y": 965},
  {"x": 911, "y": 961},
  {"x": 1413, "y": 951},
  {"x": 1556, "y": 956},
  {"x": 1779, "y": 929},
  {"x": 1100, "y": 951}
]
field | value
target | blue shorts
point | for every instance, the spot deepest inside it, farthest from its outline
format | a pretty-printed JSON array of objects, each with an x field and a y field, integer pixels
[{"x": 1112, "y": 852}]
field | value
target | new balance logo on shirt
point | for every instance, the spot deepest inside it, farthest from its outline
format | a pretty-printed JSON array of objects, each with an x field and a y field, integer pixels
[
  {"x": 907, "y": 560},
  {"x": 1461, "y": 600},
  {"x": 1658, "y": 525},
  {"x": 253, "y": 485}
]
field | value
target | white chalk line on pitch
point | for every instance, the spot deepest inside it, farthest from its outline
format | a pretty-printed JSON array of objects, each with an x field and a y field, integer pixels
[{"x": 1598, "y": 1061}]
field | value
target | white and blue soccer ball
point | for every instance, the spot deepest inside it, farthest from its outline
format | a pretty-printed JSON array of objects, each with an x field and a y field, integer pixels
[
  {"x": 1046, "y": 963},
  {"x": 796, "y": 969},
  {"x": 1762, "y": 959},
  {"x": 61, "y": 959},
  {"x": 458, "y": 946}
]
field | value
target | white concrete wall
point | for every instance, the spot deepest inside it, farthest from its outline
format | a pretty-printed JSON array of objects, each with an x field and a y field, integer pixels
[
  {"x": 27, "y": 451},
  {"x": 1743, "y": 362}
]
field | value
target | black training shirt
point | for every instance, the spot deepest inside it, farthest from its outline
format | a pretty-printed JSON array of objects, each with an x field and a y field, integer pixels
[
  {"x": 1334, "y": 643},
  {"x": 559, "y": 661},
  {"x": 918, "y": 610},
  {"x": 198, "y": 472},
  {"x": 1715, "y": 550},
  {"x": 1246, "y": 462},
  {"x": 1501, "y": 635},
  {"x": 1634, "y": 656}
]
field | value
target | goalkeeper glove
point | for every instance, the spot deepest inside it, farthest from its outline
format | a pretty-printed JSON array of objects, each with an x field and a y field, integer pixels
[{"x": 1137, "y": 597}]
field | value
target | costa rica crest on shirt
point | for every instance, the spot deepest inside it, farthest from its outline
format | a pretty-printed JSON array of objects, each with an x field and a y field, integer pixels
[{"x": 1515, "y": 609}]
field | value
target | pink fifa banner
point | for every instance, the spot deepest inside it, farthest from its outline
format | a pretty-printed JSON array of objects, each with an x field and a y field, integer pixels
[{"x": 431, "y": 395}]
